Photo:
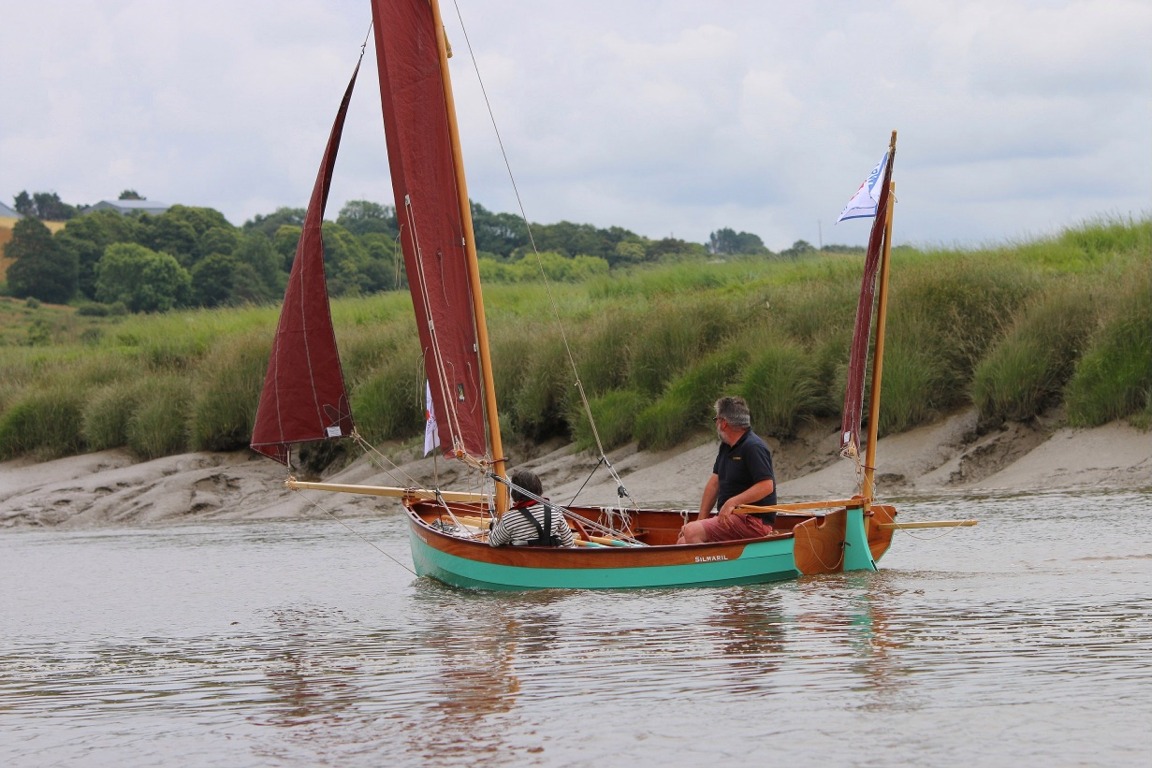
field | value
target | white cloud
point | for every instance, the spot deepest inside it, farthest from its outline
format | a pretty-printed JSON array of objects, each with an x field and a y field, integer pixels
[{"x": 1016, "y": 118}]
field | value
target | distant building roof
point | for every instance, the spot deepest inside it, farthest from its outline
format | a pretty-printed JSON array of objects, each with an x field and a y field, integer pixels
[
  {"x": 131, "y": 206},
  {"x": 9, "y": 213}
]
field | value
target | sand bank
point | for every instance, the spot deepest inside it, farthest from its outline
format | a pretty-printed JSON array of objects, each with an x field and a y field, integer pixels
[{"x": 110, "y": 488}]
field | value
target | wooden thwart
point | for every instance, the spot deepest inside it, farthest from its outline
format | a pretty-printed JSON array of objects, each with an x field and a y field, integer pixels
[{"x": 484, "y": 523}]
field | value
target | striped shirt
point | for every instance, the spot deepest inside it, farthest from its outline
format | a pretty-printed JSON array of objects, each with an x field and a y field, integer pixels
[{"x": 515, "y": 529}]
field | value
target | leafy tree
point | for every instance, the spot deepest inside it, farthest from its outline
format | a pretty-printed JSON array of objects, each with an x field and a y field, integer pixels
[
  {"x": 249, "y": 275},
  {"x": 46, "y": 206},
  {"x": 361, "y": 217},
  {"x": 170, "y": 235},
  {"x": 629, "y": 252},
  {"x": 131, "y": 194},
  {"x": 256, "y": 253},
  {"x": 284, "y": 241},
  {"x": 346, "y": 262},
  {"x": 202, "y": 220},
  {"x": 571, "y": 239},
  {"x": 271, "y": 223},
  {"x": 180, "y": 231},
  {"x": 212, "y": 280},
  {"x": 50, "y": 207},
  {"x": 220, "y": 240},
  {"x": 498, "y": 233},
  {"x": 24, "y": 204},
  {"x": 250, "y": 287},
  {"x": 87, "y": 236},
  {"x": 142, "y": 279},
  {"x": 798, "y": 249},
  {"x": 42, "y": 268},
  {"x": 385, "y": 262},
  {"x": 727, "y": 241},
  {"x": 671, "y": 248}
]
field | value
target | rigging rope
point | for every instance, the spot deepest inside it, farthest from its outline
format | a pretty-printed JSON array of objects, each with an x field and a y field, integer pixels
[
  {"x": 380, "y": 460},
  {"x": 586, "y": 522},
  {"x": 452, "y": 417},
  {"x": 620, "y": 489},
  {"x": 355, "y": 532}
]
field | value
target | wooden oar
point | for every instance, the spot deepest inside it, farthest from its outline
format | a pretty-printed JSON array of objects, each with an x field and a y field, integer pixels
[
  {"x": 799, "y": 508},
  {"x": 928, "y": 524}
]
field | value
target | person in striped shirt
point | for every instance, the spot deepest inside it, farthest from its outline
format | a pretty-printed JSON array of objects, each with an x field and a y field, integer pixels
[{"x": 529, "y": 522}]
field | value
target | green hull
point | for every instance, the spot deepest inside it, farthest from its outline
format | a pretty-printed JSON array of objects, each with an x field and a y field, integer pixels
[
  {"x": 760, "y": 562},
  {"x": 837, "y": 543}
]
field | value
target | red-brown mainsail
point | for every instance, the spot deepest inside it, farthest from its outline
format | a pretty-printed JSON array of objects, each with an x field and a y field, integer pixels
[{"x": 433, "y": 232}]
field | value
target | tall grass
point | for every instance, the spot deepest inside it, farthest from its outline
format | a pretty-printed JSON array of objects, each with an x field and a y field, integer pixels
[
  {"x": 1025, "y": 372},
  {"x": 159, "y": 425},
  {"x": 540, "y": 384},
  {"x": 1113, "y": 378},
  {"x": 675, "y": 333},
  {"x": 43, "y": 423},
  {"x": 781, "y": 384},
  {"x": 603, "y": 362},
  {"x": 614, "y": 415},
  {"x": 226, "y": 392},
  {"x": 684, "y": 407},
  {"x": 106, "y": 416},
  {"x": 388, "y": 401},
  {"x": 1014, "y": 329}
]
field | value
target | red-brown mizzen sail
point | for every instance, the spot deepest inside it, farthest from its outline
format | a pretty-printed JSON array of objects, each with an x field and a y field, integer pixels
[
  {"x": 304, "y": 397},
  {"x": 862, "y": 332},
  {"x": 432, "y": 228}
]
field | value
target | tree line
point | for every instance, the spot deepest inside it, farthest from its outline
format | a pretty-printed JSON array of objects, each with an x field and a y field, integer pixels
[{"x": 193, "y": 257}]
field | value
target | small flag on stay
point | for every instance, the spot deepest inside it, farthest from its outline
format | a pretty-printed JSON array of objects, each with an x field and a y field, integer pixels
[
  {"x": 431, "y": 434},
  {"x": 864, "y": 203}
]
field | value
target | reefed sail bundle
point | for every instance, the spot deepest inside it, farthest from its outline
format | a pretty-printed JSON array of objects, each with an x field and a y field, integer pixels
[{"x": 852, "y": 415}]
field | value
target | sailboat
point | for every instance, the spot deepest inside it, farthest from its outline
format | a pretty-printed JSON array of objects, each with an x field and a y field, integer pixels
[{"x": 304, "y": 397}]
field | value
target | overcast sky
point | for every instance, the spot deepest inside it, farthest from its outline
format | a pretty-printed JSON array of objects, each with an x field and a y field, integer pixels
[{"x": 667, "y": 117}]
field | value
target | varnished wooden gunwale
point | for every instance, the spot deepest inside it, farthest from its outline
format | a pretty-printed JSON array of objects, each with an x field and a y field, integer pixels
[
  {"x": 597, "y": 557},
  {"x": 802, "y": 545}
]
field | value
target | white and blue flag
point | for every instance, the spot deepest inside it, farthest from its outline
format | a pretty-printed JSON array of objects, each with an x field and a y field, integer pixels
[{"x": 864, "y": 203}]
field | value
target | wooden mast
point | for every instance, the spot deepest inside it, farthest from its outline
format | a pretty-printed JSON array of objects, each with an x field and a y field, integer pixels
[
  {"x": 881, "y": 326},
  {"x": 493, "y": 417}
]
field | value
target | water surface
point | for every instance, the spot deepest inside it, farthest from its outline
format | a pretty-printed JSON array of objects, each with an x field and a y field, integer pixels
[{"x": 1026, "y": 640}]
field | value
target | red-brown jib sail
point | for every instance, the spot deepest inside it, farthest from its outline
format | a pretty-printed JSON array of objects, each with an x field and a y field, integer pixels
[{"x": 304, "y": 397}]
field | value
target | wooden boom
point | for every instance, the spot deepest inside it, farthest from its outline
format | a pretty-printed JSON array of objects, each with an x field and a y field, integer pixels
[{"x": 384, "y": 490}]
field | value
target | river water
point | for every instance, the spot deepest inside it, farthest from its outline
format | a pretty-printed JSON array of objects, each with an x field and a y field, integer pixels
[{"x": 1026, "y": 640}]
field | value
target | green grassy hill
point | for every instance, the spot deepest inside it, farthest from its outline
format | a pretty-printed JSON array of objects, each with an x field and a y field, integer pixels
[{"x": 1013, "y": 329}]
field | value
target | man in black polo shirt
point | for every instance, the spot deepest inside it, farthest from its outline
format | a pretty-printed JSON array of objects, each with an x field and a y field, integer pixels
[{"x": 741, "y": 475}]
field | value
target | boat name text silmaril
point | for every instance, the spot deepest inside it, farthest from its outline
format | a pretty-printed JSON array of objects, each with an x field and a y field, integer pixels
[{"x": 711, "y": 558}]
